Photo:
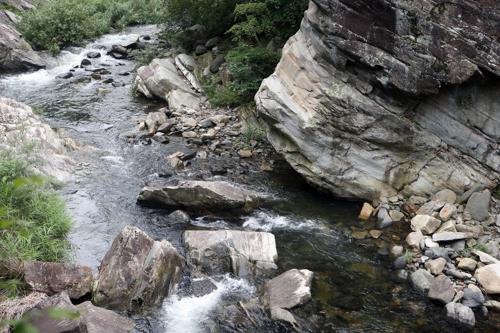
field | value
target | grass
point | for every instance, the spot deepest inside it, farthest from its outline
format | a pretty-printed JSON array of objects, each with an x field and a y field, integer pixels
[
  {"x": 408, "y": 256},
  {"x": 33, "y": 221},
  {"x": 58, "y": 23}
]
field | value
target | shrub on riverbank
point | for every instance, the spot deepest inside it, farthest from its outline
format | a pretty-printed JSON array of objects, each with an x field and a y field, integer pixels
[
  {"x": 33, "y": 220},
  {"x": 253, "y": 31},
  {"x": 58, "y": 23}
]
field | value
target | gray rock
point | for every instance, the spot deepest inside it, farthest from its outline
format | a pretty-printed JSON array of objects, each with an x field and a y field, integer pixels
[
  {"x": 200, "y": 49},
  {"x": 447, "y": 212},
  {"x": 40, "y": 318},
  {"x": 399, "y": 263},
  {"x": 179, "y": 217},
  {"x": 467, "y": 264},
  {"x": 425, "y": 223},
  {"x": 97, "y": 320},
  {"x": 187, "y": 61},
  {"x": 85, "y": 62},
  {"x": 288, "y": 290},
  {"x": 324, "y": 116},
  {"x": 448, "y": 236},
  {"x": 216, "y": 63},
  {"x": 457, "y": 274},
  {"x": 435, "y": 266},
  {"x": 93, "y": 55},
  {"x": 478, "y": 205},
  {"x": 460, "y": 313},
  {"x": 52, "y": 278},
  {"x": 439, "y": 252},
  {"x": 137, "y": 271},
  {"x": 489, "y": 278},
  {"x": 446, "y": 196},
  {"x": 473, "y": 297},
  {"x": 383, "y": 218},
  {"x": 182, "y": 101},
  {"x": 421, "y": 280},
  {"x": 15, "y": 53},
  {"x": 213, "y": 195},
  {"x": 212, "y": 42},
  {"x": 430, "y": 207},
  {"x": 243, "y": 253},
  {"x": 198, "y": 288},
  {"x": 441, "y": 289},
  {"x": 155, "y": 120}
]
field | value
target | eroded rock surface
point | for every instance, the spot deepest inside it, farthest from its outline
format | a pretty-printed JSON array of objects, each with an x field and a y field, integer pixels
[
  {"x": 137, "y": 271},
  {"x": 21, "y": 128},
  {"x": 375, "y": 97},
  {"x": 15, "y": 53},
  {"x": 244, "y": 253}
]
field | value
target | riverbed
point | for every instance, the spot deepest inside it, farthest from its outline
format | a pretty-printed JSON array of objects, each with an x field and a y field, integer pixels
[{"x": 353, "y": 289}]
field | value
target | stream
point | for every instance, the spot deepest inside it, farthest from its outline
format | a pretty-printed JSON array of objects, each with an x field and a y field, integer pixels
[{"x": 353, "y": 288}]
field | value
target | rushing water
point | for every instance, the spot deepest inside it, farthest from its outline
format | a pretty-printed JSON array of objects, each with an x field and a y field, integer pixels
[{"x": 353, "y": 290}]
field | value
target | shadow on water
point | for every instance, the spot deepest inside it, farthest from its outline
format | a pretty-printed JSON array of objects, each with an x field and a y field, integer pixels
[{"x": 353, "y": 290}]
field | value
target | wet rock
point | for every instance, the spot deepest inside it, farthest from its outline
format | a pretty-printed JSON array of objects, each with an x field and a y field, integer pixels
[
  {"x": 473, "y": 297},
  {"x": 441, "y": 289},
  {"x": 467, "y": 264},
  {"x": 85, "y": 62},
  {"x": 383, "y": 218},
  {"x": 489, "y": 278},
  {"x": 421, "y": 280},
  {"x": 478, "y": 205},
  {"x": 154, "y": 120},
  {"x": 137, "y": 271},
  {"x": 93, "y": 55},
  {"x": 435, "y": 266},
  {"x": 399, "y": 263},
  {"x": 448, "y": 236},
  {"x": 119, "y": 49},
  {"x": 244, "y": 253},
  {"x": 161, "y": 138},
  {"x": 200, "y": 49},
  {"x": 52, "y": 278},
  {"x": 212, "y": 42},
  {"x": 214, "y": 195},
  {"x": 396, "y": 216},
  {"x": 425, "y": 223},
  {"x": 288, "y": 290},
  {"x": 65, "y": 76},
  {"x": 446, "y": 196},
  {"x": 460, "y": 313},
  {"x": 366, "y": 212},
  {"x": 199, "y": 287},
  {"x": 439, "y": 252},
  {"x": 166, "y": 127}
]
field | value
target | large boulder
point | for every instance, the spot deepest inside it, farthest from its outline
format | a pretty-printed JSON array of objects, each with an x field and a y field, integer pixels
[
  {"x": 52, "y": 278},
  {"x": 137, "y": 271},
  {"x": 372, "y": 98},
  {"x": 478, "y": 205},
  {"x": 211, "y": 195},
  {"x": 244, "y": 253},
  {"x": 489, "y": 278},
  {"x": 20, "y": 127},
  {"x": 13, "y": 309},
  {"x": 159, "y": 78},
  {"x": 288, "y": 290},
  {"x": 97, "y": 320},
  {"x": 15, "y": 53}
]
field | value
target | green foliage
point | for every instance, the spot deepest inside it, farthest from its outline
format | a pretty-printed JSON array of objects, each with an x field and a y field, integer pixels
[
  {"x": 215, "y": 15},
  {"x": 58, "y": 23},
  {"x": 219, "y": 94},
  {"x": 145, "y": 56},
  {"x": 253, "y": 133},
  {"x": 408, "y": 256},
  {"x": 248, "y": 67},
  {"x": 33, "y": 219}
]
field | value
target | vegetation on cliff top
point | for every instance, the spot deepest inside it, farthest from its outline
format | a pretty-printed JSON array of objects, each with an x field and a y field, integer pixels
[{"x": 33, "y": 220}]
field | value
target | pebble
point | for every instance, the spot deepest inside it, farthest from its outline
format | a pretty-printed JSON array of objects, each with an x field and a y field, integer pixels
[
  {"x": 467, "y": 264},
  {"x": 375, "y": 233},
  {"x": 435, "y": 266},
  {"x": 245, "y": 153},
  {"x": 366, "y": 212}
]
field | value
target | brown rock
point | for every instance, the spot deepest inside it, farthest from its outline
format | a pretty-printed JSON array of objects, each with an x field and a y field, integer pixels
[{"x": 366, "y": 212}]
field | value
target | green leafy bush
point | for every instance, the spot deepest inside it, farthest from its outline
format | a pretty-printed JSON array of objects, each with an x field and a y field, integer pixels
[
  {"x": 58, "y": 23},
  {"x": 33, "y": 219},
  {"x": 215, "y": 15}
]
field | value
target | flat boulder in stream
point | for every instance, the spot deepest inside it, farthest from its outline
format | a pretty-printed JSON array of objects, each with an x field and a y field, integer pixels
[
  {"x": 202, "y": 195},
  {"x": 244, "y": 253},
  {"x": 287, "y": 291},
  {"x": 137, "y": 271}
]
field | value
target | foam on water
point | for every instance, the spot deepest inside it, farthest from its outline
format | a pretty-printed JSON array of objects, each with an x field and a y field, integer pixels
[
  {"x": 187, "y": 314},
  {"x": 268, "y": 221}
]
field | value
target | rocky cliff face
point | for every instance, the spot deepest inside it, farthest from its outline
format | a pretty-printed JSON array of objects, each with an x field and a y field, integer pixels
[
  {"x": 373, "y": 97},
  {"x": 15, "y": 53}
]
